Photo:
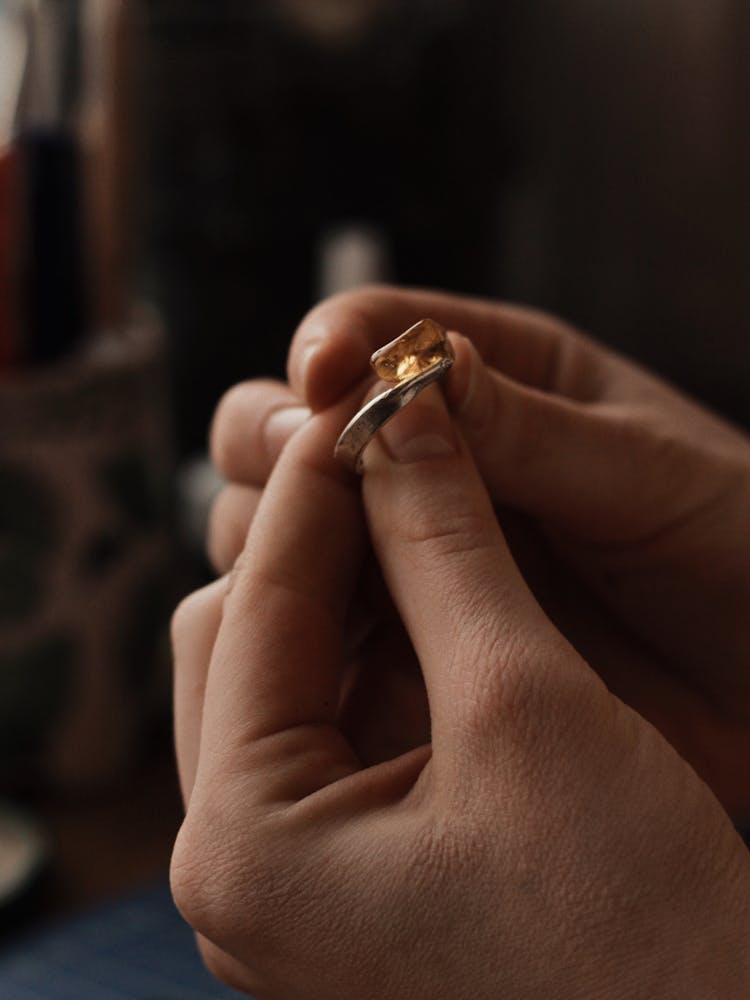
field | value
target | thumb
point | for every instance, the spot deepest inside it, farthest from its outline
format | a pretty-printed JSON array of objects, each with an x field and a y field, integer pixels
[
  {"x": 480, "y": 636},
  {"x": 587, "y": 467}
]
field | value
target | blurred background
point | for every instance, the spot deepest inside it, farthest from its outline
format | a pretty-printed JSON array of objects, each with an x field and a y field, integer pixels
[
  {"x": 179, "y": 182},
  {"x": 590, "y": 159}
]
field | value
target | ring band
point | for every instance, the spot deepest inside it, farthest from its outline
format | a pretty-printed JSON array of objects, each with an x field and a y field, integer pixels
[{"x": 367, "y": 422}]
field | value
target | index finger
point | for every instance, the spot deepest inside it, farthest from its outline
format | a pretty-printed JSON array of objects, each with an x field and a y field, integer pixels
[
  {"x": 331, "y": 349},
  {"x": 278, "y": 657}
]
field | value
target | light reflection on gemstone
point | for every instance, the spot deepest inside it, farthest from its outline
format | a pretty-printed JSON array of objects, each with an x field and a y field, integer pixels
[{"x": 416, "y": 350}]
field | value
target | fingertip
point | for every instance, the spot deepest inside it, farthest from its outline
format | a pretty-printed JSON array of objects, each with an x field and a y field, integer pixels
[
  {"x": 330, "y": 352},
  {"x": 237, "y": 439},
  {"x": 280, "y": 426},
  {"x": 333, "y": 368}
]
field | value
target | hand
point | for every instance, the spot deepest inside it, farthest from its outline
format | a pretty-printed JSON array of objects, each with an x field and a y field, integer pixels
[
  {"x": 635, "y": 501},
  {"x": 383, "y": 709},
  {"x": 549, "y": 842}
]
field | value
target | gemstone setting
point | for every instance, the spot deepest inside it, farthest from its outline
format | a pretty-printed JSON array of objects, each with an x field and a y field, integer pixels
[
  {"x": 423, "y": 345},
  {"x": 411, "y": 362}
]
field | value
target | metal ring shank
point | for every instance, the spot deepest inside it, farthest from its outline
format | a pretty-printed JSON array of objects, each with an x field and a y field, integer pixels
[{"x": 364, "y": 425}]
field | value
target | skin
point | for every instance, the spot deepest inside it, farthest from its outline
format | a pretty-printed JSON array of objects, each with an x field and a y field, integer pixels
[
  {"x": 625, "y": 502},
  {"x": 547, "y": 837}
]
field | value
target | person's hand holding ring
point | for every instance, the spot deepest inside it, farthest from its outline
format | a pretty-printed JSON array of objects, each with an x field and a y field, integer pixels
[
  {"x": 547, "y": 842},
  {"x": 635, "y": 504}
]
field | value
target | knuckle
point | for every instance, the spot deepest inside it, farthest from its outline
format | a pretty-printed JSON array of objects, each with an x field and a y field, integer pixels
[
  {"x": 226, "y": 969},
  {"x": 218, "y": 535},
  {"x": 231, "y": 877},
  {"x": 229, "y": 520},
  {"x": 524, "y": 692},
  {"x": 433, "y": 524},
  {"x": 239, "y": 569},
  {"x": 449, "y": 849},
  {"x": 194, "y": 614},
  {"x": 183, "y": 618},
  {"x": 435, "y": 848},
  {"x": 445, "y": 544},
  {"x": 204, "y": 879},
  {"x": 503, "y": 675},
  {"x": 217, "y": 963},
  {"x": 186, "y": 877}
]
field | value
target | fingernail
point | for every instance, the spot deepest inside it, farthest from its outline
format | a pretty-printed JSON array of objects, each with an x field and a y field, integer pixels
[
  {"x": 422, "y": 430},
  {"x": 281, "y": 424}
]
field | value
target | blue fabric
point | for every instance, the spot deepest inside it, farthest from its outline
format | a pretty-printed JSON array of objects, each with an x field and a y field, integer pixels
[{"x": 137, "y": 949}]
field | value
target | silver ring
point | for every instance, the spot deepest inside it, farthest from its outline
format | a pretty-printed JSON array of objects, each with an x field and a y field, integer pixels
[{"x": 367, "y": 422}]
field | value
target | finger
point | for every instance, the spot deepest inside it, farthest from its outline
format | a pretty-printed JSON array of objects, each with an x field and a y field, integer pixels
[
  {"x": 479, "y": 634},
  {"x": 195, "y": 625},
  {"x": 486, "y": 648},
  {"x": 589, "y": 468},
  {"x": 331, "y": 349},
  {"x": 278, "y": 657},
  {"x": 231, "y": 516},
  {"x": 253, "y": 421}
]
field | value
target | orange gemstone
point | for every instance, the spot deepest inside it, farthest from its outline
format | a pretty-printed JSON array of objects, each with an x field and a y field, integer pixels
[{"x": 413, "y": 352}]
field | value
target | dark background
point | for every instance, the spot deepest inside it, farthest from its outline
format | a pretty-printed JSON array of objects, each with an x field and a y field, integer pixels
[{"x": 591, "y": 159}]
